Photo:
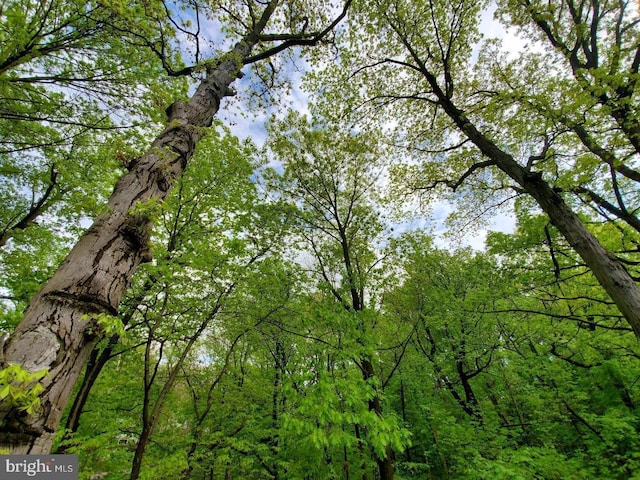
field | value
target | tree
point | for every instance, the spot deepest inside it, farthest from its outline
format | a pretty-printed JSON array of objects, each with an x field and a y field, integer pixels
[
  {"x": 77, "y": 94},
  {"x": 186, "y": 313},
  {"x": 59, "y": 100},
  {"x": 600, "y": 46},
  {"x": 54, "y": 334},
  {"x": 498, "y": 380},
  {"x": 214, "y": 204},
  {"x": 213, "y": 198},
  {"x": 580, "y": 112},
  {"x": 331, "y": 181},
  {"x": 442, "y": 299},
  {"x": 421, "y": 51}
]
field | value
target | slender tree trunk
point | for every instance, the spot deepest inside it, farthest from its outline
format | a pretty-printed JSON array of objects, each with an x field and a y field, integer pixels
[
  {"x": 403, "y": 409},
  {"x": 57, "y": 332},
  {"x": 385, "y": 464},
  {"x": 607, "y": 269},
  {"x": 200, "y": 417},
  {"x": 363, "y": 455},
  {"x": 36, "y": 210},
  {"x": 151, "y": 415},
  {"x": 97, "y": 361},
  {"x": 280, "y": 362},
  {"x": 345, "y": 462},
  {"x": 143, "y": 439},
  {"x": 443, "y": 458},
  {"x": 470, "y": 399},
  {"x": 609, "y": 272}
]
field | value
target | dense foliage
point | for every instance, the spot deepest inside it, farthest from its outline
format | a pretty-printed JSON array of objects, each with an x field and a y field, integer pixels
[{"x": 289, "y": 325}]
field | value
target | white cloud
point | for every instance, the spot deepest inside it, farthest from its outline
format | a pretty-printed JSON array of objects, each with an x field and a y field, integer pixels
[{"x": 491, "y": 28}]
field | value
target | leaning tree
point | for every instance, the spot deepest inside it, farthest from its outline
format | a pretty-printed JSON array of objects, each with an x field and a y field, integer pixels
[{"x": 63, "y": 320}]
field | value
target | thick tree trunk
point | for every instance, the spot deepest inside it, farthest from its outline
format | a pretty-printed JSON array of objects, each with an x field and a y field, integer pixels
[
  {"x": 58, "y": 331},
  {"x": 97, "y": 361}
]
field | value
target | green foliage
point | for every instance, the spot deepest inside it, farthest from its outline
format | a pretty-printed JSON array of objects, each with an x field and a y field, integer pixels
[
  {"x": 80, "y": 92},
  {"x": 282, "y": 329},
  {"x": 21, "y": 388},
  {"x": 326, "y": 416},
  {"x": 107, "y": 324},
  {"x": 149, "y": 210}
]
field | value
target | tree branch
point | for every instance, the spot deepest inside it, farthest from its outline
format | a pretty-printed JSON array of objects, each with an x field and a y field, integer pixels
[{"x": 302, "y": 39}]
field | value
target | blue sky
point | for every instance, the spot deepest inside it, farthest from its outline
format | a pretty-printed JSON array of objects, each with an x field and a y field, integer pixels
[{"x": 252, "y": 126}]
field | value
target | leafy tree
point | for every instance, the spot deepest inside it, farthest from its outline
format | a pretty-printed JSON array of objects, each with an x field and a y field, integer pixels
[
  {"x": 95, "y": 275},
  {"x": 412, "y": 61},
  {"x": 445, "y": 305},
  {"x": 534, "y": 412},
  {"x": 600, "y": 47},
  {"x": 77, "y": 93},
  {"x": 280, "y": 328},
  {"x": 70, "y": 72},
  {"x": 194, "y": 290},
  {"x": 331, "y": 180}
]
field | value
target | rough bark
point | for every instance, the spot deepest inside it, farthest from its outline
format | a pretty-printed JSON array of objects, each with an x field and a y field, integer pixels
[
  {"x": 57, "y": 332},
  {"x": 97, "y": 361}
]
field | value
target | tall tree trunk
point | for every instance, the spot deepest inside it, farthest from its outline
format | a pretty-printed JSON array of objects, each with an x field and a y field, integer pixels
[
  {"x": 97, "y": 361},
  {"x": 385, "y": 463},
  {"x": 150, "y": 413},
  {"x": 58, "y": 332},
  {"x": 607, "y": 269},
  {"x": 403, "y": 409},
  {"x": 143, "y": 439}
]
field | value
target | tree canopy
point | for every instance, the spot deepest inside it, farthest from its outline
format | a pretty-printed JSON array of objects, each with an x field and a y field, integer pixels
[{"x": 178, "y": 303}]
